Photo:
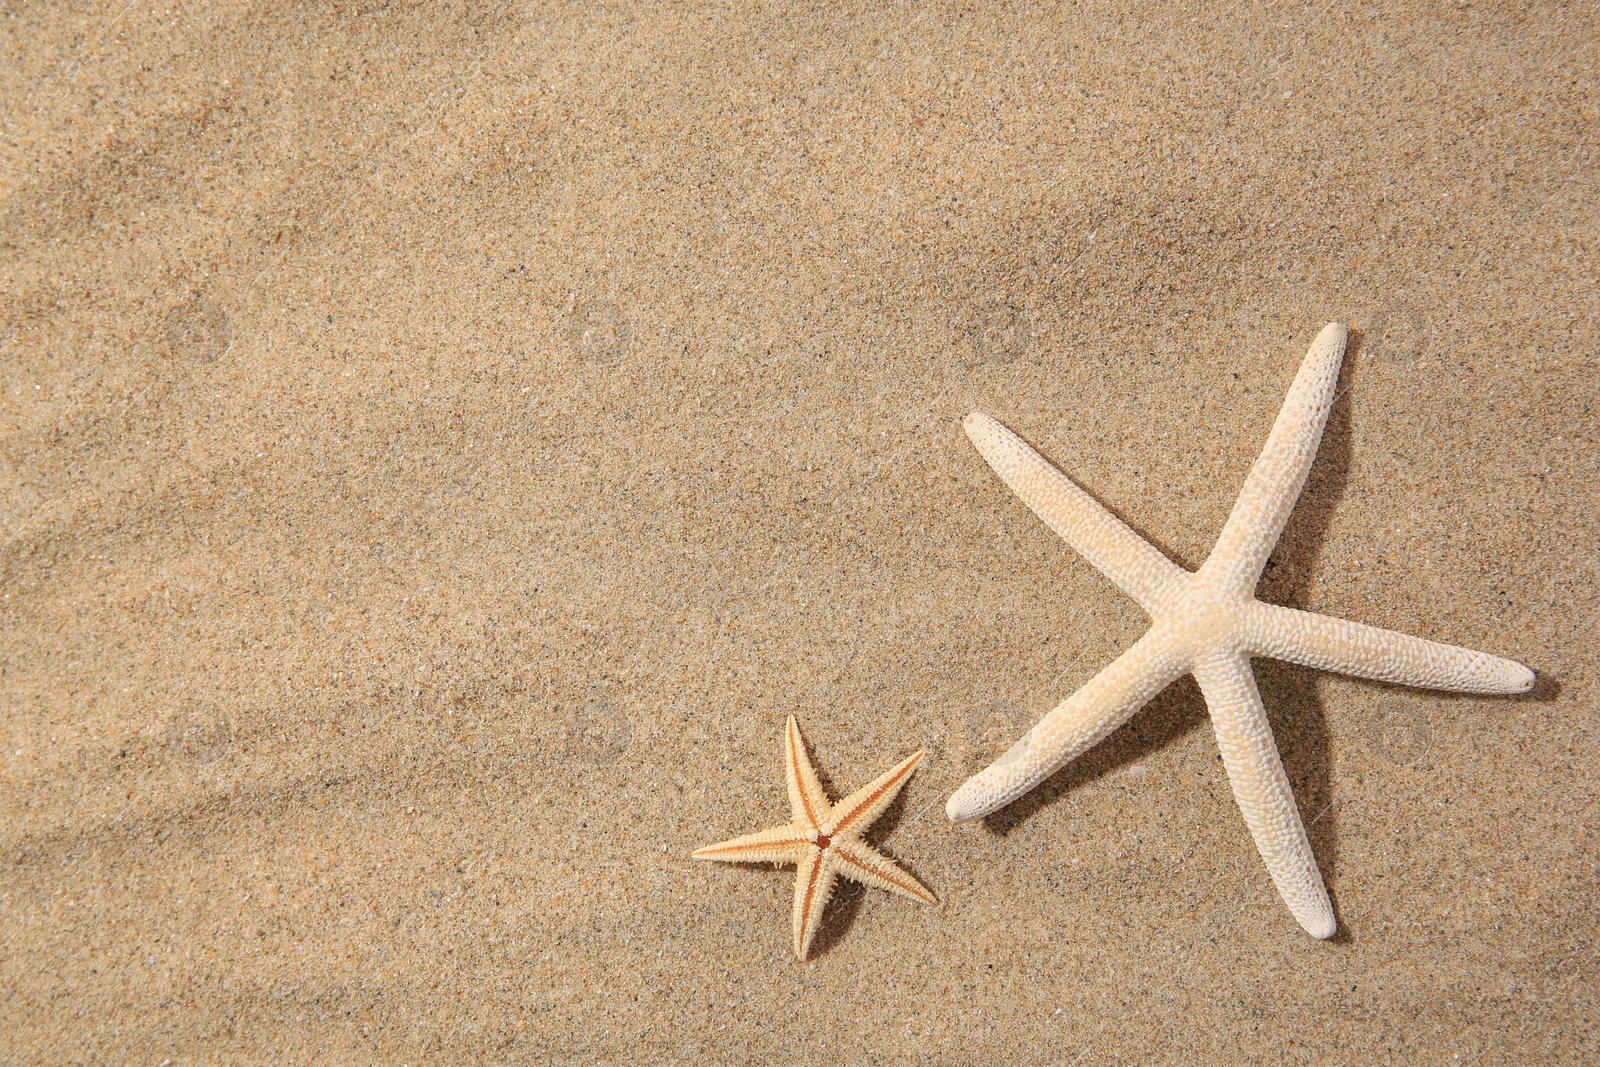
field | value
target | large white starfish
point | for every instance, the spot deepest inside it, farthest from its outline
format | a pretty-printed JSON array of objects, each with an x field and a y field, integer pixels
[{"x": 1210, "y": 623}]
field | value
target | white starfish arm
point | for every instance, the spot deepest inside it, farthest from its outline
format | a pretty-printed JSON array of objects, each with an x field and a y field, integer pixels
[
  {"x": 808, "y": 804},
  {"x": 781, "y": 844},
  {"x": 813, "y": 885},
  {"x": 861, "y": 809},
  {"x": 861, "y": 862},
  {"x": 1347, "y": 647},
  {"x": 1104, "y": 703},
  {"x": 1262, "y": 788},
  {"x": 1133, "y": 564},
  {"x": 1279, "y": 473}
]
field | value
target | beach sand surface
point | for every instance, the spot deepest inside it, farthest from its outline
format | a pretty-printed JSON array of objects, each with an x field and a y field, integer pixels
[{"x": 440, "y": 444}]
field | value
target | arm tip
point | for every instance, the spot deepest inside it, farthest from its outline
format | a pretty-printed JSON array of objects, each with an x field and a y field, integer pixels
[
  {"x": 963, "y": 805},
  {"x": 1520, "y": 678},
  {"x": 977, "y": 424},
  {"x": 1322, "y": 927}
]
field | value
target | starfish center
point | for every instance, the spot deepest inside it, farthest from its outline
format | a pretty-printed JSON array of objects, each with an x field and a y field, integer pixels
[
  {"x": 1206, "y": 622},
  {"x": 823, "y": 840}
]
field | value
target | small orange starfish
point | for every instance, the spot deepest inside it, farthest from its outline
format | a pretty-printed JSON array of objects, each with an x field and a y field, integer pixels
[{"x": 824, "y": 840}]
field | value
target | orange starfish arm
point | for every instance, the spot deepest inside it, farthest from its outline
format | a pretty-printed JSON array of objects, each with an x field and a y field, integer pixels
[
  {"x": 860, "y": 809},
  {"x": 807, "y": 802},
  {"x": 860, "y": 862},
  {"x": 813, "y": 885},
  {"x": 781, "y": 844}
]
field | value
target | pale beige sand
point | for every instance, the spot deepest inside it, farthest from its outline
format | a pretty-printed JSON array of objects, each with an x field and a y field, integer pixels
[{"x": 441, "y": 447}]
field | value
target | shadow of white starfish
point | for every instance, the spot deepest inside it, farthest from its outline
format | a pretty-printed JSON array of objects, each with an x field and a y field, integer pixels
[{"x": 1209, "y": 623}]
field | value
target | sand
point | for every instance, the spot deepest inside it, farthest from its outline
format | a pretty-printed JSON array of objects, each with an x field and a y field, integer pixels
[{"x": 442, "y": 444}]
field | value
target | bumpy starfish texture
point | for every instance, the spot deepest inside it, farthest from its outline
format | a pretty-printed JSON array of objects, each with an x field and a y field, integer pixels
[
  {"x": 1209, "y": 623},
  {"x": 824, "y": 840}
]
